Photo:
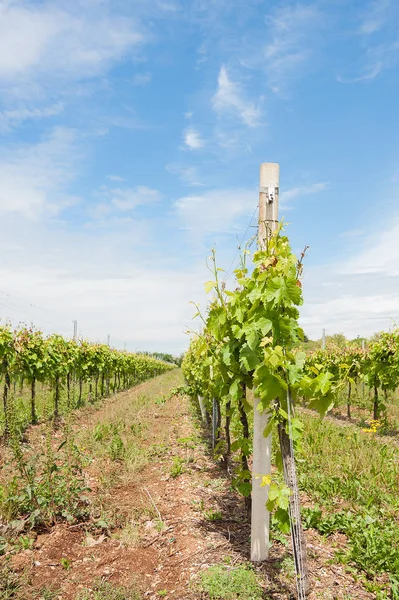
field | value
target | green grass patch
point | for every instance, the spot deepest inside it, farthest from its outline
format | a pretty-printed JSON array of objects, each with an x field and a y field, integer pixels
[
  {"x": 231, "y": 583},
  {"x": 352, "y": 477}
]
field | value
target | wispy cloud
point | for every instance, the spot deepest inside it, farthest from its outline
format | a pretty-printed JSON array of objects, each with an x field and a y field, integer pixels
[
  {"x": 374, "y": 16},
  {"x": 46, "y": 44},
  {"x": 215, "y": 211},
  {"x": 127, "y": 199},
  {"x": 303, "y": 190},
  {"x": 115, "y": 178},
  {"x": 34, "y": 178},
  {"x": 12, "y": 118},
  {"x": 142, "y": 78},
  {"x": 229, "y": 100},
  {"x": 193, "y": 139},
  {"x": 290, "y": 28},
  {"x": 187, "y": 174},
  {"x": 378, "y": 39}
]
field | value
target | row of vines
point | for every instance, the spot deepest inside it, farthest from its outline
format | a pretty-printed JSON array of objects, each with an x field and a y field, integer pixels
[
  {"x": 375, "y": 366},
  {"x": 44, "y": 376}
]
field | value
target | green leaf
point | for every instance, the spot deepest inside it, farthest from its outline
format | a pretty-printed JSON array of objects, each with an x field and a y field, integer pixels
[
  {"x": 248, "y": 358},
  {"x": 209, "y": 285}
]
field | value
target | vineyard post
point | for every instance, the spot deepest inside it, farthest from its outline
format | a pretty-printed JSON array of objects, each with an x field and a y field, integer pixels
[
  {"x": 75, "y": 331},
  {"x": 202, "y": 408},
  {"x": 260, "y": 516},
  {"x": 323, "y": 340}
]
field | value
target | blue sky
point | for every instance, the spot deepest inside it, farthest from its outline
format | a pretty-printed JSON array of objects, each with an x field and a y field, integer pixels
[{"x": 131, "y": 138}]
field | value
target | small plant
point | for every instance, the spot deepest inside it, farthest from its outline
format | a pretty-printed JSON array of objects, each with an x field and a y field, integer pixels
[
  {"x": 24, "y": 542},
  {"x": 65, "y": 563},
  {"x": 162, "y": 593},
  {"x": 221, "y": 582},
  {"x": 159, "y": 525},
  {"x": 49, "y": 486},
  {"x": 129, "y": 535},
  {"x": 213, "y": 515},
  {"x": 101, "y": 432},
  {"x": 177, "y": 467},
  {"x": 116, "y": 448},
  {"x": 12, "y": 585}
]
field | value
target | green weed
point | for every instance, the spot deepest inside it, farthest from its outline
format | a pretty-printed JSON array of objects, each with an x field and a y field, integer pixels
[
  {"x": 231, "y": 583},
  {"x": 177, "y": 467}
]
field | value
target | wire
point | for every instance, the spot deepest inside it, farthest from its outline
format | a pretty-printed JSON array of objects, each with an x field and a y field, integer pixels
[{"x": 242, "y": 240}]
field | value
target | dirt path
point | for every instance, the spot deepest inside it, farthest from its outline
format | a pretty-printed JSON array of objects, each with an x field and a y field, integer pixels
[{"x": 167, "y": 513}]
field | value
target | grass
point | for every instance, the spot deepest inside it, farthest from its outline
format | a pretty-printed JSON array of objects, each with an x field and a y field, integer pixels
[
  {"x": 103, "y": 590},
  {"x": 231, "y": 583},
  {"x": 352, "y": 479}
]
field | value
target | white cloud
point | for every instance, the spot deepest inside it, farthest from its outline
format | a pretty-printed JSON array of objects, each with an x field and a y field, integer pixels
[
  {"x": 375, "y": 16},
  {"x": 229, "y": 100},
  {"x": 188, "y": 174},
  {"x": 44, "y": 44},
  {"x": 304, "y": 190},
  {"x": 142, "y": 79},
  {"x": 215, "y": 211},
  {"x": 34, "y": 178},
  {"x": 127, "y": 199},
  {"x": 289, "y": 28},
  {"x": 193, "y": 140},
  {"x": 12, "y": 118},
  {"x": 359, "y": 295},
  {"x": 376, "y": 60},
  {"x": 377, "y": 32},
  {"x": 113, "y": 282},
  {"x": 115, "y": 178}
]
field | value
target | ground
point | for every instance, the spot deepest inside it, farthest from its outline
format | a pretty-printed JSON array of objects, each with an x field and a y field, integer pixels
[{"x": 163, "y": 512}]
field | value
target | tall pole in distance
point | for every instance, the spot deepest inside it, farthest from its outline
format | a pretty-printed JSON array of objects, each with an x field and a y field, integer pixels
[
  {"x": 108, "y": 340},
  {"x": 75, "y": 331},
  {"x": 262, "y": 447},
  {"x": 323, "y": 340}
]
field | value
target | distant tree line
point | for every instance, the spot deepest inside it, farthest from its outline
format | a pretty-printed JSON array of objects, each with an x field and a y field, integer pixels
[{"x": 165, "y": 356}]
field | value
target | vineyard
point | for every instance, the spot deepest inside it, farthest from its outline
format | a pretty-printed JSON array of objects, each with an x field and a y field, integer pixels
[
  {"x": 45, "y": 377},
  {"x": 115, "y": 463},
  {"x": 249, "y": 358}
]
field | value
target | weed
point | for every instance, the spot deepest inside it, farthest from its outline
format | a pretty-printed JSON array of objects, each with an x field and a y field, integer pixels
[
  {"x": 49, "y": 485},
  {"x": 65, "y": 563},
  {"x": 226, "y": 583},
  {"x": 24, "y": 542},
  {"x": 177, "y": 467},
  {"x": 103, "y": 590},
  {"x": 288, "y": 566},
  {"x": 162, "y": 593},
  {"x": 12, "y": 585},
  {"x": 159, "y": 525},
  {"x": 213, "y": 515},
  {"x": 129, "y": 535},
  {"x": 116, "y": 448}
]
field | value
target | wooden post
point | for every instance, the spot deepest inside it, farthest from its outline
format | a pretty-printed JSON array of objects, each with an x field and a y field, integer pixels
[
  {"x": 323, "y": 340},
  {"x": 260, "y": 516}
]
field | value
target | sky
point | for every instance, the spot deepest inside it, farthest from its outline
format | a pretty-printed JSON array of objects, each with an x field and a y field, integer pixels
[{"x": 131, "y": 135}]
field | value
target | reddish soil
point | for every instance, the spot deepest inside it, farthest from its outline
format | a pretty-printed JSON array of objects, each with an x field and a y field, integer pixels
[{"x": 174, "y": 558}]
